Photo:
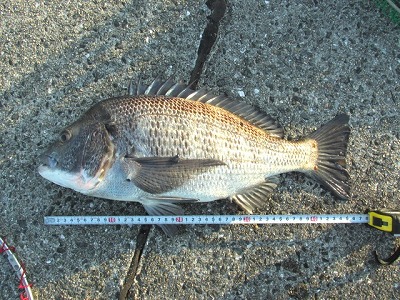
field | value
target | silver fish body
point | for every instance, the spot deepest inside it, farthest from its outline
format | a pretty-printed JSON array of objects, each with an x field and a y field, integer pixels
[{"x": 167, "y": 144}]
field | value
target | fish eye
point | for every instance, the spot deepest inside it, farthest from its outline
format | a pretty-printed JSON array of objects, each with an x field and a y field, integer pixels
[{"x": 65, "y": 136}]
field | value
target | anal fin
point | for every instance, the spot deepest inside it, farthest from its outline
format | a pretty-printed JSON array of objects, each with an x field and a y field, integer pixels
[
  {"x": 160, "y": 208},
  {"x": 255, "y": 196}
]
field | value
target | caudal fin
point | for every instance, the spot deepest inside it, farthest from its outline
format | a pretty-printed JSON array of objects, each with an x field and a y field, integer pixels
[{"x": 330, "y": 171}]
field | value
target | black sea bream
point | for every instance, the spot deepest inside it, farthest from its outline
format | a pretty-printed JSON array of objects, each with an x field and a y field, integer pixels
[{"x": 166, "y": 144}]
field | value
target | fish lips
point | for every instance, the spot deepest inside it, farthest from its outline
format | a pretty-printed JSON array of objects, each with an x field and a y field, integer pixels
[
  {"x": 48, "y": 169},
  {"x": 48, "y": 160},
  {"x": 51, "y": 170}
]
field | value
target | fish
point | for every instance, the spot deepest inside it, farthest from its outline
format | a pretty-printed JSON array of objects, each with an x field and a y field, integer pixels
[{"x": 164, "y": 144}]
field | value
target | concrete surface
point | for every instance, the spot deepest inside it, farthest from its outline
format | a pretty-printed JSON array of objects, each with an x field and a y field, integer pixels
[{"x": 300, "y": 61}]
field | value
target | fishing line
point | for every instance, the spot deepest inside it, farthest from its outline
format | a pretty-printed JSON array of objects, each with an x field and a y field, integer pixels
[{"x": 19, "y": 269}]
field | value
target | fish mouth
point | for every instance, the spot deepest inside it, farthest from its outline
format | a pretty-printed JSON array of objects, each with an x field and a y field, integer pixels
[
  {"x": 49, "y": 161},
  {"x": 77, "y": 180}
]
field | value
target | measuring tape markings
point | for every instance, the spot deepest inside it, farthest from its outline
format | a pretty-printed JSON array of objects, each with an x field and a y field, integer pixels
[
  {"x": 207, "y": 219},
  {"x": 384, "y": 220}
]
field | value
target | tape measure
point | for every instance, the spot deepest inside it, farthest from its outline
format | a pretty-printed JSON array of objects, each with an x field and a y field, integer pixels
[
  {"x": 205, "y": 219},
  {"x": 388, "y": 221},
  {"x": 384, "y": 220}
]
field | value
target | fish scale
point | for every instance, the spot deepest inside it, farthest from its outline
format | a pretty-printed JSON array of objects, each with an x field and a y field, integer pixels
[
  {"x": 170, "y": 135},
  {"x": 172, "y": 145}
]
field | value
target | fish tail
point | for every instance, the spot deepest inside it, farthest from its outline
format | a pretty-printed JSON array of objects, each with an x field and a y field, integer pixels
[{"x": 330, "y": 168}]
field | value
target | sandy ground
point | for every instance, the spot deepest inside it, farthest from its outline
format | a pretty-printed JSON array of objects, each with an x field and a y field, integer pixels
[{"x": 300, "y": 61}]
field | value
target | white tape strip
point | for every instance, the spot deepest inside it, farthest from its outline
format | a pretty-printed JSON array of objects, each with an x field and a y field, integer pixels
[{"x": 206, "y": 219}]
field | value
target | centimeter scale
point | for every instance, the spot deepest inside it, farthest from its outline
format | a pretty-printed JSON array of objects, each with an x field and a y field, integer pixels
[{"x": 384, "y": 220}]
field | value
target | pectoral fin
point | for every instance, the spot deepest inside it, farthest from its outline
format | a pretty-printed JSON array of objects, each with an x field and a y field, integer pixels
[{"x": 157, "y": 175}]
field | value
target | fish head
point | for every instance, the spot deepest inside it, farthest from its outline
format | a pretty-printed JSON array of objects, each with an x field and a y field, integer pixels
[{"x": 81, "y": 156}]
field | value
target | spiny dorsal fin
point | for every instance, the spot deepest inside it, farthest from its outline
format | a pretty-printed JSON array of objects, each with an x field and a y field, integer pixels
[{"x": 180, "y": 90}]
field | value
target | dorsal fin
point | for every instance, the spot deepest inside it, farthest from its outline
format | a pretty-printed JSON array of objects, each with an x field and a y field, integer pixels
[{"x": 181, "y": 90}]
